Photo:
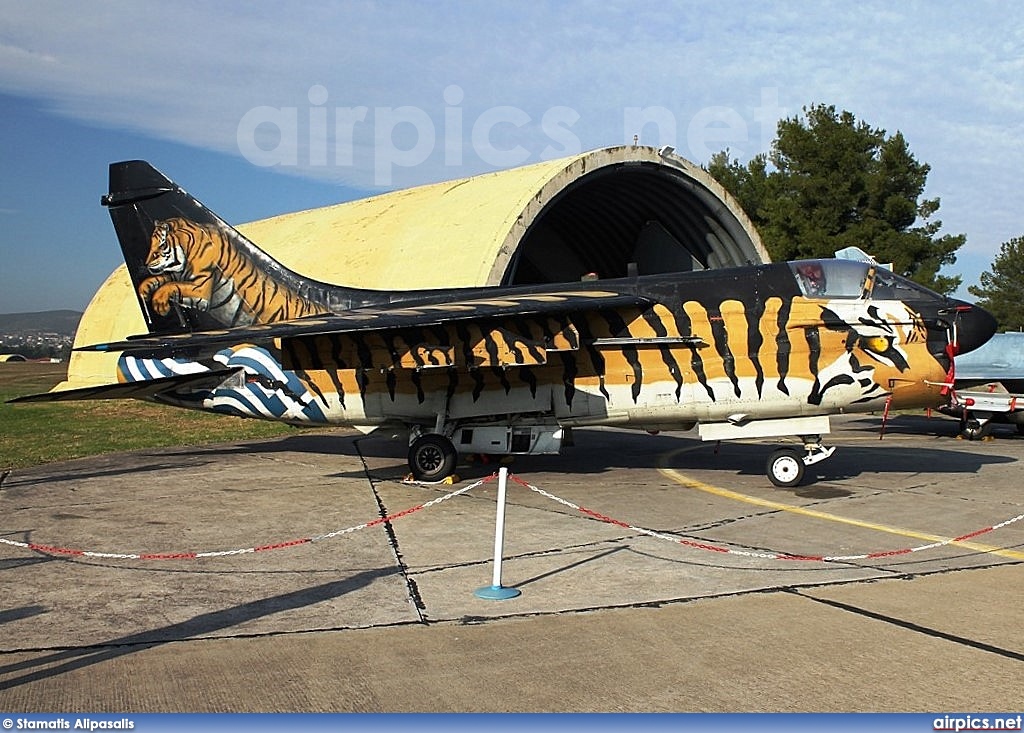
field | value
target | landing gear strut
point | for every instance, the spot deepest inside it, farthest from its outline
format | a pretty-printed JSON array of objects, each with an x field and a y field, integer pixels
[{"x": 785, "y": 467}]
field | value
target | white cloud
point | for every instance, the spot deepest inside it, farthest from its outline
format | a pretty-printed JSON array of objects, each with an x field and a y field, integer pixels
[{"x": 948, "y": 76}]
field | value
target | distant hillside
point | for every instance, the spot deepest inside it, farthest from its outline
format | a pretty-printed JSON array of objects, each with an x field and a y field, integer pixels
[{"x": 62, "y": 322}]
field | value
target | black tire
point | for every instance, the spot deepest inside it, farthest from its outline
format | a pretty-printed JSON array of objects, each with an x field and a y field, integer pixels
[
  {"x": 785, "y": 468},
  {"x": 432, "y": 457},
  {"x": 974, "y": 430}
]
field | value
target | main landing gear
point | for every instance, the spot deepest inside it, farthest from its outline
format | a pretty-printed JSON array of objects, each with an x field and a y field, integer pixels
[
  {"x": 785, "y": 466},
  {"x": 432, "y": 457},
  {"x": 434, "y": 454},
  {"x": 974, "y": 428}
]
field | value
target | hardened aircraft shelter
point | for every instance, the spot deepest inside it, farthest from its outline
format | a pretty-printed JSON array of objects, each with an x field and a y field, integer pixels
[{"x": 592, "y": 214}]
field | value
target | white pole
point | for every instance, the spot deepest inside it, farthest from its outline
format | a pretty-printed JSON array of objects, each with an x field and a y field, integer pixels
[
  {"x": 499, "y": 527},
  {"x": 496, "y": 591}
]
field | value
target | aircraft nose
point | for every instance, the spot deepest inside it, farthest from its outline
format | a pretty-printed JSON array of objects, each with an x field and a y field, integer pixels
[{"x": 975, "y": 325}]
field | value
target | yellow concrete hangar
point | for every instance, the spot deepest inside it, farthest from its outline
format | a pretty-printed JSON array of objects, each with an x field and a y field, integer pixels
[{"x": 560, "y": 220}]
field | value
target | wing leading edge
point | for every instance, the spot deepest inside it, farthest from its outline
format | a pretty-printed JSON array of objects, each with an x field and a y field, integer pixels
[{"x": 422, "y": 314}]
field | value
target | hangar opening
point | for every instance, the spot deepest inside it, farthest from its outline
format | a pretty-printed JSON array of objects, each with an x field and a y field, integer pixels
[
  {"x": 648, "y": 214},
  {"x": 601, "y": 211}
]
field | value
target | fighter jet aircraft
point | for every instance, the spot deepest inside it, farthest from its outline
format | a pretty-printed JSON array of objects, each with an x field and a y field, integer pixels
[
  {"x": 988, "y": 387},
  {"x": 746, "y": 352}
]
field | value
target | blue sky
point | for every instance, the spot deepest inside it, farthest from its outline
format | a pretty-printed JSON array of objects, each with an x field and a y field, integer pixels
[{"x": 263, "y": 108}]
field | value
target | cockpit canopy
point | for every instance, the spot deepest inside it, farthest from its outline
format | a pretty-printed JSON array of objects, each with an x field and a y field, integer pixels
[{"x": 838, "y": 278}]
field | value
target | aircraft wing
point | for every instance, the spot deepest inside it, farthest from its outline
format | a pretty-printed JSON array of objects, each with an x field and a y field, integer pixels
[{"x": 395, "y": 316}]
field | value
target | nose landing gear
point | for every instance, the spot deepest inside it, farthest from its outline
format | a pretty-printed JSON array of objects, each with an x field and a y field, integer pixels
[{"x": 785, "y": 467}]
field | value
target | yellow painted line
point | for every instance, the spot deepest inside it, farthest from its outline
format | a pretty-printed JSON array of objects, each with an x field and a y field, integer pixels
[{"x": 691, "y": 483}]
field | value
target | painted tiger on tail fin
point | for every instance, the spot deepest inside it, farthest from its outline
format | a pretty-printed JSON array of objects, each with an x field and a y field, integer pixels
[{"x": 195, "y": 266}]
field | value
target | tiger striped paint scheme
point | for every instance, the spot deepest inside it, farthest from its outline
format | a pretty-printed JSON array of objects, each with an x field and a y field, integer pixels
[
  {"x": 196, "y": 266},
  {"x": 789, "y": 356}
]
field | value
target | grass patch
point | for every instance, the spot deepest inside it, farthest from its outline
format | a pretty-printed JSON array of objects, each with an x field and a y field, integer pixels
[{"x": 35, "y": 433}]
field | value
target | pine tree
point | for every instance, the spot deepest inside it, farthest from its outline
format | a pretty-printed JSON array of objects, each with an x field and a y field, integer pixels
[
  {"x": 835, "y": 182},
  {"x": 1001, "y": 291}
]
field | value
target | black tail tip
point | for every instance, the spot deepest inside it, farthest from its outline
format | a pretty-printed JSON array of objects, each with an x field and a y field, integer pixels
[{"x": 134, "y": 180}]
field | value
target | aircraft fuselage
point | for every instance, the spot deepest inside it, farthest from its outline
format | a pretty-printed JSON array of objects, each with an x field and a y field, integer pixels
[{"x": 712, "y": 348}]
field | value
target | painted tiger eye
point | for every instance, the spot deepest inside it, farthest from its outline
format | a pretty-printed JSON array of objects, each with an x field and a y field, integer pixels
[{"x": 877, "y": 344}]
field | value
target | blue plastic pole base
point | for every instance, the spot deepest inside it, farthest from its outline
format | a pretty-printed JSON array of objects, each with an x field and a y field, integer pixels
[{"x": 496, "y": 593}]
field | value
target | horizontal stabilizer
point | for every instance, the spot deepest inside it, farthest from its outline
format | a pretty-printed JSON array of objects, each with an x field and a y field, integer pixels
[{"x": 135, "y": 390}]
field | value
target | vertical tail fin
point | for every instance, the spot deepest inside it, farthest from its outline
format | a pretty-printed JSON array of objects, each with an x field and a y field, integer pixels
[{"x": 192, "y": 271}]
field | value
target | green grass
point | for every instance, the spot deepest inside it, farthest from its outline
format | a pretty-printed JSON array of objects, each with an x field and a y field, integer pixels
[{"x": 36, "y": 433}]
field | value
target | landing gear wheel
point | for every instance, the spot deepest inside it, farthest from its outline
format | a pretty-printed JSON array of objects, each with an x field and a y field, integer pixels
[
  {"x": 432, "y": 457},
  {"x": 974, "y": 430},
  {"x": 785, "y": 467}
]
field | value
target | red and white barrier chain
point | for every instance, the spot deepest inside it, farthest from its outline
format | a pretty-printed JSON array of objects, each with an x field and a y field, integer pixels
[
  {"x": 761, "y": 555},
  {"x": 67, "y": 552}
]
